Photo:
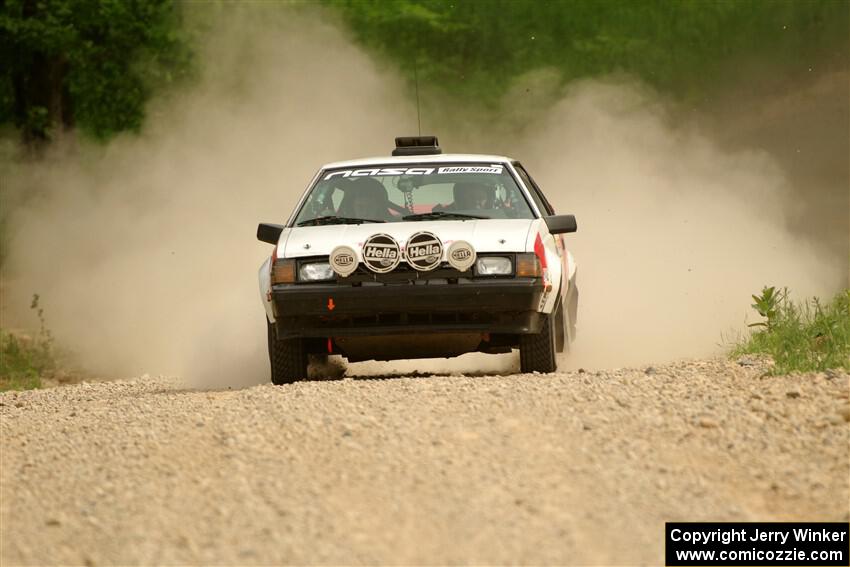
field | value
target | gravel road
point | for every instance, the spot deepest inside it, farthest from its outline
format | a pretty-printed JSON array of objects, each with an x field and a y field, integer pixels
[{"x": 578, "y": 468}]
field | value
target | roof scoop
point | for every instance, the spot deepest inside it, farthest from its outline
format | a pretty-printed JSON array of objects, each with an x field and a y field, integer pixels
[{"x": 416, "y": 146}]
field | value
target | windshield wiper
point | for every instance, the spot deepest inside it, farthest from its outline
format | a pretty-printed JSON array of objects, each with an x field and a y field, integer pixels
[
  {"x": 333, "y": 219},
  {"x": 441, "y": 215}
]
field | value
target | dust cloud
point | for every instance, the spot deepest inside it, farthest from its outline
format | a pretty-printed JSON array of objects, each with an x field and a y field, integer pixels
[
  {"x": 144, "y": 254},
  {"x": 675, "y": 232}
]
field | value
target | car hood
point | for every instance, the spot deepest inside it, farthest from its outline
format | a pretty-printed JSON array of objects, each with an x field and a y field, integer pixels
[{"x": 485, "y": 235}]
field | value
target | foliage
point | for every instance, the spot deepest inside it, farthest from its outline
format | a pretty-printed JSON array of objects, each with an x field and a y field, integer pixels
[
  {"x": 87, "y": 64},
  {"x": 801, "y": 336},
  {"x": 93, "y": 65},
  {"x": 474, "y": 47},
  {"x": 25, "y": 360},
  {"x": 767, "y": 305}
]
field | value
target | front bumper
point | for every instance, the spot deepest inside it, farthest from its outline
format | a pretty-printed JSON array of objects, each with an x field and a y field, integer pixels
[{"x": 499, "y": 306}]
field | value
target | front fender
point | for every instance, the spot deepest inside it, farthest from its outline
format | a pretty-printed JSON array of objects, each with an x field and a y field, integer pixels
[
  {"x": 554, "y": 263},
  {"x": 265, "y": 277}
]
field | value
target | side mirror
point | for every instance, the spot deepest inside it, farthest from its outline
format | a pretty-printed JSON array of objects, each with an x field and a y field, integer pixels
[
  {"x": 268, "y": 232},
  {"x": 560, "y": 224}
]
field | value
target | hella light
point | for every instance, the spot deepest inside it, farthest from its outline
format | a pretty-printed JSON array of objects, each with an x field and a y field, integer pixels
[
  {"x": 315, "y": 272},
  {"x": 493, "y": 266}
]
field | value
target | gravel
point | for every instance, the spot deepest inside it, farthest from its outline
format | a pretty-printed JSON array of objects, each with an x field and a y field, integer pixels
[{"x": 579, "y": 468}]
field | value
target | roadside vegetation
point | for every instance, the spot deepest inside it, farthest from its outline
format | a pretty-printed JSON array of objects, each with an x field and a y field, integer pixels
[
  {"x": 89, "y": 66},
  {"x": 26, "y": 360},
  {"x": 93, "y": 67},
  {"x": 807, "y": 335},
  {"x": 475, "y": 48}
]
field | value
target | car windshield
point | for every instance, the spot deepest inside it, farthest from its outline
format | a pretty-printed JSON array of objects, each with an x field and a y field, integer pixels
[{"x": 411, "y": 192}]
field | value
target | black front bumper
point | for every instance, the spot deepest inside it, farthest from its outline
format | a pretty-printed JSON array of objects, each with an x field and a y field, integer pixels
[{"x": 498, "y": 306}]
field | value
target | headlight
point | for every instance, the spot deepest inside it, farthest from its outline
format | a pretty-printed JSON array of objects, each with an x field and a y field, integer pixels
[
  {"x": 315, "y": 271},
  {"x": 493, "y": 266}
]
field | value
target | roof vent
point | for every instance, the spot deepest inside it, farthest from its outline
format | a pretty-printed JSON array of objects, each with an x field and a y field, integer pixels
[{"x": 416, "y": 146}]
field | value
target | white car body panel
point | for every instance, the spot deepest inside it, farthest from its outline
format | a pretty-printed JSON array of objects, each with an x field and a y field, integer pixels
[
  {"x": 503, "y": 235},
  {"x": 553, "y": 270},
  {"x": 265, "y": 276}
]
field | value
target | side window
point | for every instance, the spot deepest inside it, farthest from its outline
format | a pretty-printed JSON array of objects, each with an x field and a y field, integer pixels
[{"x": 536, "y": 194}]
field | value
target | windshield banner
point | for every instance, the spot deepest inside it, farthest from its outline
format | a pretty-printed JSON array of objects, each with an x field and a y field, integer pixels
[{"x": 396, "y": 171}]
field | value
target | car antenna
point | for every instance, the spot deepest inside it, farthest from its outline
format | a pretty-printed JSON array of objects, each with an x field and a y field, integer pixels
[{"x": 416, "y": 81}]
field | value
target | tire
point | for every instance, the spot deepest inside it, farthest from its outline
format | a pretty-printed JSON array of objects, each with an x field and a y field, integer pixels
[
  {"x": 537, "y": 352},
  {"x": 288, "y": 358}
]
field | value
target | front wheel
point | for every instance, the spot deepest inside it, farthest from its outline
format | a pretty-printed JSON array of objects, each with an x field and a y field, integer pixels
[
  {"x": 537, "y": 352},
  {"x": 288, "y": 358}
]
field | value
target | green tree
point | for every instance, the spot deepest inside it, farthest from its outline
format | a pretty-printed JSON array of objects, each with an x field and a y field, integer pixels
[
  {"x": 474, "y": 47},
  {"x": 87, "y": 64}
]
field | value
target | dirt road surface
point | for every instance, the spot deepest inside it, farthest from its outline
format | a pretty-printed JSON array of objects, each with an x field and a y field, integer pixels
[{"x": 571, "y": 468}]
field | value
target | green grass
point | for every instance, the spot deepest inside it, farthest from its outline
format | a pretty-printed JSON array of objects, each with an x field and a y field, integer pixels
[
  {"x": 803, "y": 336},
  {"x": 25, "y": 360}
]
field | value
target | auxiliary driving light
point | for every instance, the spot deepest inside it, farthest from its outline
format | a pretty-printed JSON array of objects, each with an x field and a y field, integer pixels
[{"x": 461, "y": 255}]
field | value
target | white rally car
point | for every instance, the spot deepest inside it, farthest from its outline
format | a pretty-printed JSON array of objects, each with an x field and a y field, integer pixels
[{"x": 419, "y": 255}]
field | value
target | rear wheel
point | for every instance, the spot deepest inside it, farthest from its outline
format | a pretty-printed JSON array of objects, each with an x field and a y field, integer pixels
[
  {"x": 537, "y": 352},
  {"x": 288, "y": 358}
]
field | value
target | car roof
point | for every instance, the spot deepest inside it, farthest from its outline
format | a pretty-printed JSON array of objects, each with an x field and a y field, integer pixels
[{"x": 432, "y": 158}]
